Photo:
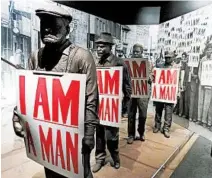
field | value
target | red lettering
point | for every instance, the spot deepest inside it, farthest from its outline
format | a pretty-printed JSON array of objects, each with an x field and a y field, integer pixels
[
  {"x": 46, "y": 144},
  {"x": 59, "y": 150},
  {"x": 30, "y": 141},
  {"x": 140, "y": 87},
  {"x": 162, "y": 79},
  {"x": 107, "y": 110},
  {"x": 71, "y": 98},
  {"x": 72, "y": 151},
  {"x": 154, "y": 93},
  {"x": 111, "y": 83},
  {"x": 139, "y": 71},
  {"x": 99, "y": 80},
  {"x": 22, "y": 93},
  {"x": 115, "y": 109},
  {"x": 129, "y": 68},
  {"x": 101, "y": 109},
  {"x": 162, "y": 92},
  {"x": 172, "y": 77},
  {"x": 173, "y": 93},
  {"x": 41, "y": 93},
  {"x": 168, "y": 93},
  {"x": 144, "y": 87}
]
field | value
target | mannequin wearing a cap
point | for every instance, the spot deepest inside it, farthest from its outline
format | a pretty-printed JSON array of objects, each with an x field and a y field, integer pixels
[
  {"x": 205, "y": 94},
  {"x": 140, "y": 103},
  {"x": 56, "y": 57},
  {"x": 169, "y": 58},
  {"x": 107, "y": 59}
]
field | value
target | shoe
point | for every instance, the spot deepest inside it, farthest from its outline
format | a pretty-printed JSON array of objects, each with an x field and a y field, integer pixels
[
  {"x": 130, "y": 140},
  {"x": 166, "y": 133},
  {"x": 184, "y": 116},
  {"x": 190, "y": 119},
  {"x": 125, "y": 115},
  {"x": 97, "y": 167},
  {"x": 142, "y": 138},
  {"x": 116, "y": 164},
  {"x": 204, "y": 125},
  {"x": 156, "y": 130},
  {"x": 180, "y": 115}
]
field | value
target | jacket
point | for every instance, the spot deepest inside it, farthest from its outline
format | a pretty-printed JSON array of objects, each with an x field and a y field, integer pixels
[
  {"x": 113, "y": 61},
  {"x": 75, "y": 60}
]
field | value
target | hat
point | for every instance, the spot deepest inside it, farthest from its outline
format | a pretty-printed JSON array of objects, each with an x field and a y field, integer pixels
[
  {"x": 169, "y": 54},
  {"x": 56, "y": 11},
  {"x": 105, "y": 38}
]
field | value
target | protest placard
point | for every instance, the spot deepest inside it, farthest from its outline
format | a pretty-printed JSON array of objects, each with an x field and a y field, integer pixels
[
  {"x": 193, "y": 60},
  {"x": 110, "y": 95},
  {"x": 51, "y": 106},
  {"x": 165, "y": 85},
  {"x": 138, "y": 69},
  {"x": 206, "y": 75}
]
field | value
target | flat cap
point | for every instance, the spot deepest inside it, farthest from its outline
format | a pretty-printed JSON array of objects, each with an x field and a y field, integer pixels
[
  {"x": 105, "y": 38},
  {"x": 56, "y": 11}
]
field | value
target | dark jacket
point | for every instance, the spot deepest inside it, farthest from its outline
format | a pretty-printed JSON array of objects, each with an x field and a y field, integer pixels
[
  {"x": 75, "y": 60},
  {"x": 113, "y": 61}
]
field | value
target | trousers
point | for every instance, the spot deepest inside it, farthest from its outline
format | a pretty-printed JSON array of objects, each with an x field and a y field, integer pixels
[
  {"x": 86, "y": 163},
  {"x": 168, "y": 115},
  {"x": 106, "y": 136},
  {"x": 142, "y": 105},
  {"x": 204, "y": 104},
  {"x": 193, "y": 100},
  {"x": 125, "y": 104}
]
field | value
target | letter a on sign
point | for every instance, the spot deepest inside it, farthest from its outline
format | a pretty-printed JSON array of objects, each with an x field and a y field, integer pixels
[{"x": 52, "y": 106}]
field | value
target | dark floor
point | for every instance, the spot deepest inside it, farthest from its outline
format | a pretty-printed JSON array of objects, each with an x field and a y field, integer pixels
[{"x": 197, "y": 163}]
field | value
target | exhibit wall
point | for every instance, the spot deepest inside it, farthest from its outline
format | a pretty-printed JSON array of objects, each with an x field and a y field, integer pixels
[{"x": 187, "y": 33}]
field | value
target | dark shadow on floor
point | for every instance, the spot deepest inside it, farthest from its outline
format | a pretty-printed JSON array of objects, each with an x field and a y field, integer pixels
[{"x": 197, "y": 163}]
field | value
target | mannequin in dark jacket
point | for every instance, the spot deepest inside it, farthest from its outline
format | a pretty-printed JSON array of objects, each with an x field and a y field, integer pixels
[
  {"x": 58, "y": 49},
  {"x": 106, "y": 135}
]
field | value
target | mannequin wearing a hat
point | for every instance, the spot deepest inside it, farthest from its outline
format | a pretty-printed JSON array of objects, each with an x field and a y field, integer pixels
[
  {"x": 205, "y": 94},
  {"x": 56, "y": 57},
  {"x": 159, "y": 106},
  {"x": 106, "y": 134}
]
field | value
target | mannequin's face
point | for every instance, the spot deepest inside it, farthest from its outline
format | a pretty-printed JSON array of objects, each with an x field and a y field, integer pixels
[{"x": 53, "y": 30}]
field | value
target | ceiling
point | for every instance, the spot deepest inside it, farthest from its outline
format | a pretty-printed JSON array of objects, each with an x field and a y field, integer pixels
[{"x": 125, "y": 12}]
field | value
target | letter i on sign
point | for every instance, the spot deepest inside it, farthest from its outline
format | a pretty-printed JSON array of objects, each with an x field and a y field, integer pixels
[{"x": 22, "y": 95}]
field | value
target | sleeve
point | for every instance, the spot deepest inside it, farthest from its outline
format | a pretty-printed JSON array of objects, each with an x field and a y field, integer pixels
[
  {"x": 92, "y": 96},
  {"x": 127, "y": 83}
]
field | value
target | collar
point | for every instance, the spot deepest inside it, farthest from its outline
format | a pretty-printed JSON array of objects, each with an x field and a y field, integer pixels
[{"x": 108, "y": 59}]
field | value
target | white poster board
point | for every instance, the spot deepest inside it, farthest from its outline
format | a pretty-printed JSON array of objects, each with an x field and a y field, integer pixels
[
  {"x": 206, "y": 75},
  {"x": 165, "y": 85},
  {"x": 110, "y": 95},
  {"x": 52, "y": 106},
  {"x": 139, "y": 72}
]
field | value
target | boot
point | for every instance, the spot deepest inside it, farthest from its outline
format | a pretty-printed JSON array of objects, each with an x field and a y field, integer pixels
[
  {"x": 130, "y": 140},
  {"x": 156, "y": 130},
  {"x": 166, "y": 133},
  {"x": 116, "y": 162},
  {"x": 97, "y": 167}
]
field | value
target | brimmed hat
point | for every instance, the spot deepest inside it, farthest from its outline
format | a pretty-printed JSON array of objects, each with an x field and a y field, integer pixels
[
  {"x": 56, "y": 11},
  {"x": 105, "y": 38},
  {"x": 169, "y": 54}
]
